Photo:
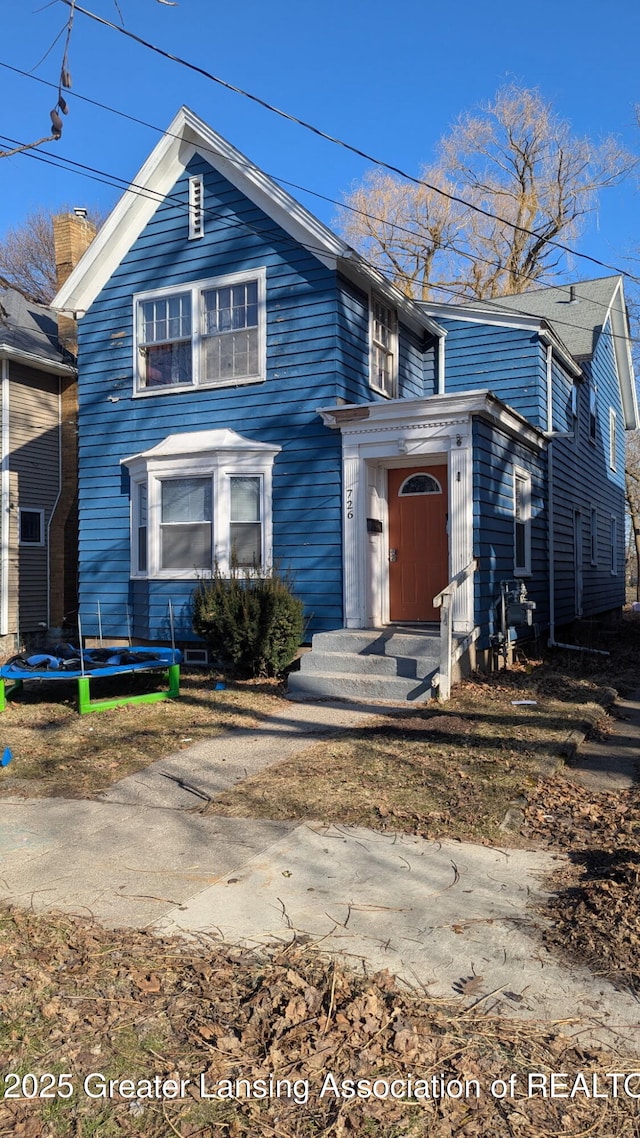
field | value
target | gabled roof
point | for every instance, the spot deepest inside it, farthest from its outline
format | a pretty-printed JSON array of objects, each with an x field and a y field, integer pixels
[
  {"x": 578, "y": 311},
  {"x": 187, "y": 136},
  {"x": 573, "y": 316},
  {"x": 29, "y": 334}
]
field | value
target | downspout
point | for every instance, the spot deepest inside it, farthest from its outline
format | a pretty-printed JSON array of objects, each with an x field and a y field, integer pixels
[
  {"x": 441, "y": 387},
  {"x": 5, "y": 500},
  {"x": 550, "y": 541},
  {"x": 55, "y": 504}
]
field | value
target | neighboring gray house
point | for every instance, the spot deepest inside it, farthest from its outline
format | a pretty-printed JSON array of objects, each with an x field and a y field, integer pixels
[{"x": 38, "y": 535}]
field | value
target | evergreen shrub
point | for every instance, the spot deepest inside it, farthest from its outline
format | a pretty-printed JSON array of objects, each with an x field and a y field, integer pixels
[{"x": 252, "y": 622}]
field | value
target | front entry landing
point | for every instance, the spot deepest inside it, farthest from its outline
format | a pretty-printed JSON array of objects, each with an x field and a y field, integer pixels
[{"x": 418, "y": 545}]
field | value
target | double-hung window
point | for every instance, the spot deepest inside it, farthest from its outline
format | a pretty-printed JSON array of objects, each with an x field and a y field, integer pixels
[
  {"x": 201, "y": 501},
  {"x": 384, "y": 349},
  {"x": 521, "y": 523},
  {"x": 164, "y": 341},
  {"x": 613, "y": 440},
  {"x": 206, "y": 334},
  {"x": 185, "y": 523}
]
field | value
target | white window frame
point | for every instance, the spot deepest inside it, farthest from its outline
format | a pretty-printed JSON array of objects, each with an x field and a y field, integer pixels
[
  {"x": 31, "y": 544},
  {"x": 196, "y": 289},
  {"x": 594, "y": 536},
  {"x": 523, "y": 476},
  {"x": 219, "y": 465},
  {"x": 613, "y": 439},
  {"x": 391, "y": 349},
  {"x": 613, "y": 539}
]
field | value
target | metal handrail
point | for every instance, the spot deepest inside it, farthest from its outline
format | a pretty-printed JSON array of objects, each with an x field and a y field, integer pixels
[{"x": 444, "y": 599}]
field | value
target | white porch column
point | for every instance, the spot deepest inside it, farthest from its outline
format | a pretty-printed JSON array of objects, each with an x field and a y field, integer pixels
[
  {"x": 352, "y": 528},
  {"x": 461, "y": 525}
]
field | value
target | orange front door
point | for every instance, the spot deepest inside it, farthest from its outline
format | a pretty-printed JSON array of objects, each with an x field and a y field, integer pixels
[{"x": 418, "y": 546}]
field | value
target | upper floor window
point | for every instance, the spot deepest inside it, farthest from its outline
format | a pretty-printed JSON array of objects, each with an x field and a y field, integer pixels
[
  {"x": 593, "y": 413},
  {"x": 210, "y": 333},
  {"x": 613, "y": 439},
  {"x": 522, "y": 522},
  {"x": 384, "y": 349}
]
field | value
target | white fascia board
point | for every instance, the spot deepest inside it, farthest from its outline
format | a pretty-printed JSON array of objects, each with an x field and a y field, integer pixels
[
  {"x": 363, "y": 416},
  {"x": 366, "y": 276},
  {"x": 186, "y": 136},
  {"x": 517, "y": 320},
  {"x": 38, "y": 363},
  {"x": 195, "y": 443},
  {"x": 623, "y": 357}
]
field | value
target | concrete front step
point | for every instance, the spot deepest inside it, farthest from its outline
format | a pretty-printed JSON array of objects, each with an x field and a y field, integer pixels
[
  {"x": 376, "y": 664},
  {"x": 379, "y": 642},
  {"x": 359, "y": 664},
  {"x": 376, "y": 688}
]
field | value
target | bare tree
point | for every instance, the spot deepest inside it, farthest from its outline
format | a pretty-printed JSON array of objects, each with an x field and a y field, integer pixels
[
  {"x": 509, "y": 179},
  {"x": 27, "y": 255}
]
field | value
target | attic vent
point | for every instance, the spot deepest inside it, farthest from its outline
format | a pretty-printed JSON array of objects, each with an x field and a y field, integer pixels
[{"x": 196, "y": 208}]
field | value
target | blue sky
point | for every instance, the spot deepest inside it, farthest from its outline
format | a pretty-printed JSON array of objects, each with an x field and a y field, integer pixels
[{"x": 389, "y": 78}]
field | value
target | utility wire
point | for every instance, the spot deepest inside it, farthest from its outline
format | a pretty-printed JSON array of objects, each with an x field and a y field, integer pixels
[
  {"x": 340, "y": 142},
  {"x": 277, "y": 234},
  {"x": 114, "y": 181},
  {"x": 117, "y": 182}
]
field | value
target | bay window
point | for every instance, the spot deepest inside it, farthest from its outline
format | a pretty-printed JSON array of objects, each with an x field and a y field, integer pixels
[{"x": 199, "y": 501}]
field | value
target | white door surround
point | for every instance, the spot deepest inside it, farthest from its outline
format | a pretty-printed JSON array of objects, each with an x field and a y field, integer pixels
[{"x": 405, "y": 433}]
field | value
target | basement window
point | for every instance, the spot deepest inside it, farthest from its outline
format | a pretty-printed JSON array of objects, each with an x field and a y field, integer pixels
[{"x": 31, "y": 527}]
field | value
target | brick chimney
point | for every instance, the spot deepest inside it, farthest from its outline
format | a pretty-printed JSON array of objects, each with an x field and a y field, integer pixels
[{"x": 72, "y": 236}]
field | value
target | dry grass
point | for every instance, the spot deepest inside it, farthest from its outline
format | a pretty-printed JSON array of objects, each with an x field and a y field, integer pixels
[
  {"x": 58, "y": 753},
  {"x": 79, "y": 999},
  {"x": 437, "y": 772}
]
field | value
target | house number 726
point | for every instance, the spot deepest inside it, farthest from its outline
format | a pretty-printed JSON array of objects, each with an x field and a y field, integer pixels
[{"x": 349, "y": 502}]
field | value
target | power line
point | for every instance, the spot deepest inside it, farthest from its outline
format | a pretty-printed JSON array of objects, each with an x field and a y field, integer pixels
[
  {"x": 116, "y": 182},
  {"x": 340, "y": 142}
]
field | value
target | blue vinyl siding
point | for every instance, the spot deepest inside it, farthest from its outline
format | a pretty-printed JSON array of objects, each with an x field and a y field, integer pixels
[
  {"x": 416, "y": 352},
  {"x": 507, "y": 361},
  {"x": 495, "y": 458},
  {"x": 584, "y": 481},
  {"x": 303, "y": 367}
]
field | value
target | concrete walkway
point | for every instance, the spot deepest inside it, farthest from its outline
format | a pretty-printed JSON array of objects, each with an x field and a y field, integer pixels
[{"x": 447, "y": 917}]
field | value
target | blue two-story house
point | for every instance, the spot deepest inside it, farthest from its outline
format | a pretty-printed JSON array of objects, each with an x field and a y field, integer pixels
[{"x": 251, "y": 389}]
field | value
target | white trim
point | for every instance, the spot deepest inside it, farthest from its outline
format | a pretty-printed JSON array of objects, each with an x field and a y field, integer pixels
[
  {"x": 400, "y": 433},
  {"x": 5, "y": 498},
  {"x": 196, "y": 207},
  {"x": 516, "y": 320},
  {"x": 31, "y": 544},
  {"x": 613, "y": 440},
  {"x": 196, "y": 289},
  {"x": 369, "y": 418},
  {"x": 31, "y": 359},
  {"x": 593, "y": 536},
  {"x": 613, "y": 542},
  {"x": 186, "y": 136},
  {"x": 523, "y": 476},
  {"x": 219, "y": 455},
  {"x": 54, "y": 506},
  {"x": 391, "y": 349}
]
